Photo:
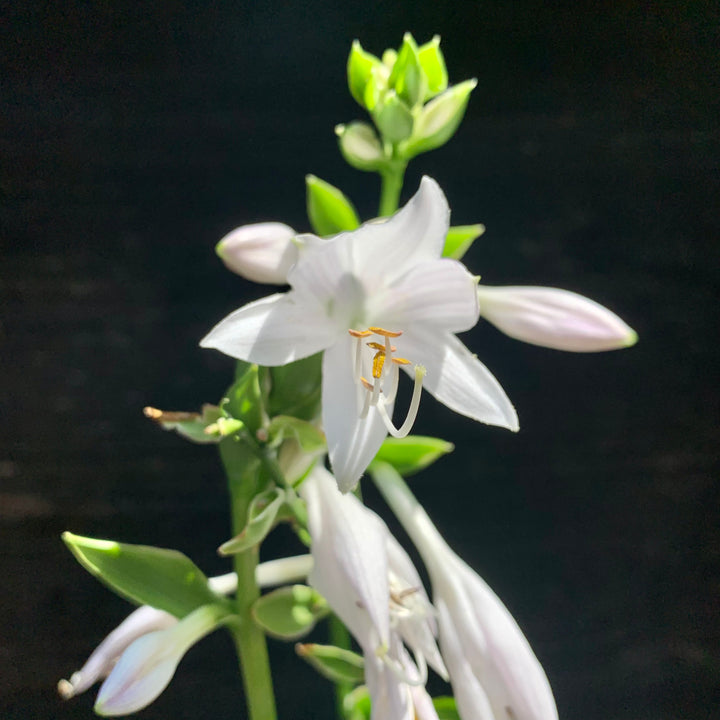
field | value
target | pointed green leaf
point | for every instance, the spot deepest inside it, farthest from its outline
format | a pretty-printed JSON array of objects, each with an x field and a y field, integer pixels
[
  {"x": 360, "y": 146},
  {"x": 433, "y": 65},
  {"x": 262, "y": 514},
  {"x": 289, "y": 612},
  {"x": 164, "y": 579},
  {"x": 295, "y": 388},
  {"x": 411, "y": 454},
  {"x": 244, "y": 400},
  {"x": 439, "y": 119},
  {"x": 334, "y": 663},
  {"x": 192, "y": 426},
  {"x": 446, "y": 708},
  {"x": 328, "y": 209},
  {"x": 359, "y": 68},
  {"x": 460, "y": 238},
  {"x": 394, "y": 119}
]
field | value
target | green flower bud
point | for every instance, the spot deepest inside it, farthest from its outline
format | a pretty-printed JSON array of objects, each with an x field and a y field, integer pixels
[
  {"x": 407, "y": 76},
  {"x": 433, "y": 65},
  {"x": 359, "y": 70},
  {"x": 439, "y": 119},
  {"x": 394, "y": 119},
  {"x": 360, "y": 146}
]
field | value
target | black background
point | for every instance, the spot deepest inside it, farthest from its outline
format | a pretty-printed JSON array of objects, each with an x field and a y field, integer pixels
[{"x": 134, "y": 135}]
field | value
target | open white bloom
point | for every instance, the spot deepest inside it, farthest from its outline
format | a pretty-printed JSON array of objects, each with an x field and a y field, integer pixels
[
  {"x": 262, "y": 252},
  {"x": 554, "y": 318},
  {"x": 371, "y": 584},
  {"x": 493, "y": 670},
  {"x": 375, "y": 299},
  {"x": 147, "y": 620}
]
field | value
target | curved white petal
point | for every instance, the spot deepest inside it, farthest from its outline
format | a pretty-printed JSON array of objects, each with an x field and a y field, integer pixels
[
  {"x": 352, "y": 441},
  {"x": 262, "y": 252},
  {"x": 422, "y": 704},
  {"x": 272, "y": 331},
  {"x": 391, "y": 699},
  {"x": 350, "y": 561},
  {"x": 415, "y": 233},
  {"x": 434, "y": 294},
  {"x": 554, "y": 318},
  {"x": 458, "y": 379},
  {"x": 472, "y": 701}
]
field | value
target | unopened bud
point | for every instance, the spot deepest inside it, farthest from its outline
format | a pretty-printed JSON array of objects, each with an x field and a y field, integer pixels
[
  {"x": 360, "y": 146},
  {"x": 262, "y": 252}
]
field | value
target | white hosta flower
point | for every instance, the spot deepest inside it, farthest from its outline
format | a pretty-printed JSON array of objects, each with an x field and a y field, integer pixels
[
  {"x": 554, "y": 318},
  {"x": 374, "y": 300},
  {"x": 146, "y": 620},
  {"x": 371, "y": 584},
  {"x": 262, "y": 252},
  {"x": 494, "y": 672}
]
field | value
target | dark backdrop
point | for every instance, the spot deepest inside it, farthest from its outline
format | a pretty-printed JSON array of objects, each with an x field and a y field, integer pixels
[{"x": 134, "y": 135}]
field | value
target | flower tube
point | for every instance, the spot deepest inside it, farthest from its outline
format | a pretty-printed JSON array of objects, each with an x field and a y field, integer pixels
[{"x": 493, "y": 670}]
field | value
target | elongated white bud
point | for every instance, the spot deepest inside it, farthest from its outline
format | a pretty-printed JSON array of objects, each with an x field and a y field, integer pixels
[
  {"x": 262, "y": 252},
  {"x": 554, "y": 318}
]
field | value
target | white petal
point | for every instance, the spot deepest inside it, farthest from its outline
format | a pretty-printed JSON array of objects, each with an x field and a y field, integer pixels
[
  {"x": 415, "y": 233},
  {"x": 554, "y": 318},
  {"x": 140, "y": 622},
  {"x": 472, "y": 701},
  {"x": 272, "y": 331},
  {"x": 390, "y": 697},
  {"x": 262, "y": 252},
  {"x": 458, "y": 379},
  {"x": 423, "y": 704},
  {"x": 350, "y": 561},
  {"x": 352, "y": 442},
  {"x": 437, "y": 294}
]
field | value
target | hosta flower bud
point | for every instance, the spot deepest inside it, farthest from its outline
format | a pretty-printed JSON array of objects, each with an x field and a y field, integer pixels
[
  {"x": 262, "y": 252},
  {"x": 554, "y": 318},
  {"x": 360, "y": 146}
]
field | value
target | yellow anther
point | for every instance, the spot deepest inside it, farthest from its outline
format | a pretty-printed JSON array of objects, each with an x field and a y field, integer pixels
[
  {"x": 384, "y": 333},
  {"x": 366, "y": 384},
  {"x": 380, "y": 346},
  {"x": 378, "y": 362},
  {"x": 360, "y": 333},
  {"x": 401, "y": 361}
]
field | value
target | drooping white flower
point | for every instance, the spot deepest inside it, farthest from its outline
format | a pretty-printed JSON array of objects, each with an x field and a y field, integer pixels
[
  {"x": 493, "y": 670},
  {"x": 554, "y": 318},
  {"x": 262, "y": 252},
  {"x": 371, "y": 584},
  {"x": 146, "y": 620},
  {"x": 375, "y": 299}
]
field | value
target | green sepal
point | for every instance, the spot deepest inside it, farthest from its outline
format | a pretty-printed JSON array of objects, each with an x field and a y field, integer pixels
[
  {"x": 295, "y": 388},
  {"x": 394, "y": 119},
  {"x": 289, "y": 612},
  {"x": 446, "y": 708},
  {"x": 433, "y": 65},
  {"x": 164, "y": 579},
  {"x": 310, "y": 438},
  {"x": 459, "y": 239},
  {"x": 360, "y": 146},
  {"x": 262, "y": 515},
  {"x": 407, "y": 76},
  {"x": 357, "y": 704},
  {"x": 334, "y": 663},
  {"x": 191, "y": 426},
  {"x": 439, "y": 119},
  {"x": 411, "y": 454},
  {"x": 328, "y": 209},
  {"x": 244, "y": 400},
  {"x": 360, "y": 66}
]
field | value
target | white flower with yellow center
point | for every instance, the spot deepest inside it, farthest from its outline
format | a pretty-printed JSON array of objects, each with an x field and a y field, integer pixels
[{"x": 374, "y": 300}]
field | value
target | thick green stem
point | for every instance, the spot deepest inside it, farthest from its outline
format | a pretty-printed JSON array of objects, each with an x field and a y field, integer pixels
[
  {"x": 391, "y": 187},
  {"x": 241, "y": 466}
]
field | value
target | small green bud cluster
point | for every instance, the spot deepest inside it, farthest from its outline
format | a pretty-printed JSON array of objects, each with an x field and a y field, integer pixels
[{"x": 407, "y": 95}]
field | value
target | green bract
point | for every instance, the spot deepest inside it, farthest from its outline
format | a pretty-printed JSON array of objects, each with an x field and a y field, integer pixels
[
  {"x": 433, "y": 65},
  {"x": 460, "y": 238},
  {"x": 334, "y": 663},
  {"x": 262, "y": 514},
  {"x": 411, "y": 454},
  {"x": 329, "y": 210},
  {"x": 360, "y": 146},
  {"x": 289, "y": 612},
  {"x": 164, "y": 579}
]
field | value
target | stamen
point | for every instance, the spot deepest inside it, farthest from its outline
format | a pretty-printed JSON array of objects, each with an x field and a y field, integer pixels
[
  {"x": 378, "y": 362},
  {"x": 384, "y": 333},
  {"x": 366, "y": 384},
  {"x": 400, "y": 361},
  {"x": 405, "y": 428},
  {"x": 389, "y": 395},
  {"x": 380, "y": 346},
  {"x": 403, "y": 673},
  {"x": 360, "y": 333}
]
